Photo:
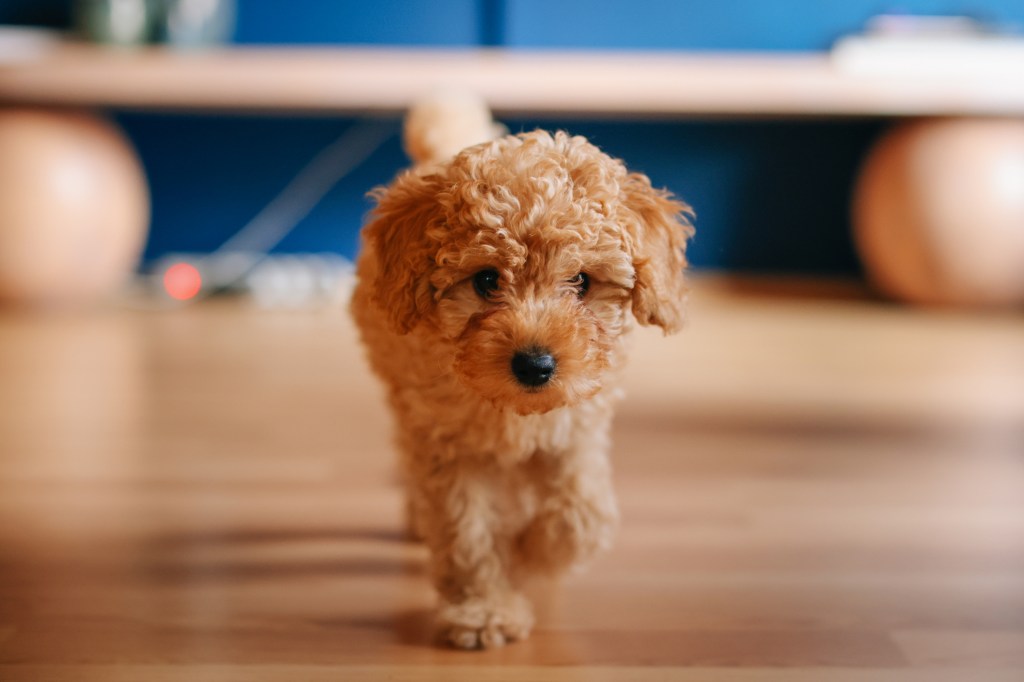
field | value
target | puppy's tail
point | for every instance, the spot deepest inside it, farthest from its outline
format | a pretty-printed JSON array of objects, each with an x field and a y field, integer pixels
[{"x": 441, "y": 125}]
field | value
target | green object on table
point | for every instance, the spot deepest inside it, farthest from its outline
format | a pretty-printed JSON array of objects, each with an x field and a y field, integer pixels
[
  {"x": 118, "y": 22},
  {"x": 180, "y": 23}
]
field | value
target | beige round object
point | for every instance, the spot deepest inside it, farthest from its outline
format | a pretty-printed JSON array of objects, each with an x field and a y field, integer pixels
[
  {"x": 74, "y": 207},
  {"x": 939, "y": 212}
]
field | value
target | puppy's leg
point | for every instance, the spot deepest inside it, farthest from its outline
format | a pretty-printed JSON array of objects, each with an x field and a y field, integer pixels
[
  {"x": 469, "y": 560},
  {"x": 414, "y": 514},
  {"x": 577, "y": 513}
]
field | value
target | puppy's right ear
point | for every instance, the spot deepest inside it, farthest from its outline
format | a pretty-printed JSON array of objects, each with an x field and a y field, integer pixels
[{"x": 406, "y": 212}]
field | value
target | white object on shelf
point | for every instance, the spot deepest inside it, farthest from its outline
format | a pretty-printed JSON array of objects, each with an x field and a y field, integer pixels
[
  {"x": 939, "y": 57},
  {"x": 931, "y": 47}
]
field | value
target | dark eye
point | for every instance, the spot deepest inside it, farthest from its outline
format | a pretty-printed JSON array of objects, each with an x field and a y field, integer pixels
[
  {"x": 485, "y": 282},
  {"x": 582, "y": 284}
]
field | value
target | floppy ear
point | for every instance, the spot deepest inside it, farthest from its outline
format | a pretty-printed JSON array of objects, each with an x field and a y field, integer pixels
[
  {"x": 407, "y": 210},
  {"x": 658, "y": 226}
]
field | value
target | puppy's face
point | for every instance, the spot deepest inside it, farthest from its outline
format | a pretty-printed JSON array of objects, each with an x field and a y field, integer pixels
[{"x": 524, "y": 258}]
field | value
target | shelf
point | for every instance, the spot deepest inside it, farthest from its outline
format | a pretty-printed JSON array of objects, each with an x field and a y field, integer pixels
[{"x": 385, "y": 81}]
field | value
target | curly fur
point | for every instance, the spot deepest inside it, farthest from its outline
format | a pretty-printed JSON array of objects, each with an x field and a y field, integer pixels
[{"x": 504, "y": 481}]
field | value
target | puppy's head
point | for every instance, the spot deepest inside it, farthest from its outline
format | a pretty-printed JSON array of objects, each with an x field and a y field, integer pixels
[{"x": 524, "y": 258}]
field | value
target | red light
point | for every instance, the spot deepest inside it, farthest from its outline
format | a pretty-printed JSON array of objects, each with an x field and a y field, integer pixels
[{"x": 182, "y": 281}]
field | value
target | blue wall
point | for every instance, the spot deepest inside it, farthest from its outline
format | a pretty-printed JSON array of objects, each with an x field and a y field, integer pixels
[
  {"x": 803, "y": 25},
  {"x": 769, "y": 195},
  {"x": 394, "y": 22}
]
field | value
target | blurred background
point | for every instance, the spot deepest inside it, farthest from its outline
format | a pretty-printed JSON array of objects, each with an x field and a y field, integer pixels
[{"x": 770, "y": 195}]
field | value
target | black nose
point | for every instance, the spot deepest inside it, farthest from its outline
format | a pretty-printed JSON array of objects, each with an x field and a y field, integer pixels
[{"x": 533, "y": 368}]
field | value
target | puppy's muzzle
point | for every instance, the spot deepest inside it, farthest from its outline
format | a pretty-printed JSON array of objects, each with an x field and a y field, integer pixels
[{"x": 533, "y": 368}]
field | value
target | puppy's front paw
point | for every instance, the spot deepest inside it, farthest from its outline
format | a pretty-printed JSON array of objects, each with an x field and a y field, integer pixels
[
  {"x": 485, "y": 623},
  {"x": 566, "y": 536}
]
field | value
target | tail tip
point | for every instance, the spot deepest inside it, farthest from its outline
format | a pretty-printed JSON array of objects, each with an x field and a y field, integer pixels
[{"x": 442, "y": 124}]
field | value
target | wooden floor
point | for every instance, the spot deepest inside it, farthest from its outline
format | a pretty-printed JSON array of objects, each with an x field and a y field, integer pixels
[{"x": 815, "y": 486}]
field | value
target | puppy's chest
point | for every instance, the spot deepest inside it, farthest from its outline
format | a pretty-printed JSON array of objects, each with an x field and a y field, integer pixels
[
  {"x": 512, "y": 439},
  {"x": 476, "y": 429},
  {"x": 524, "y": 436}
]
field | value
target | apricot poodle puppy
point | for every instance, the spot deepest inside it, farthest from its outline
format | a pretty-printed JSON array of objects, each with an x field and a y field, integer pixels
[{"x": 496, "y": 290}]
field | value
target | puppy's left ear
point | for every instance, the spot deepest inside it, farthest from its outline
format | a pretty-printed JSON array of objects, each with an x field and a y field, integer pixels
[{"x": 658, "y": 226}]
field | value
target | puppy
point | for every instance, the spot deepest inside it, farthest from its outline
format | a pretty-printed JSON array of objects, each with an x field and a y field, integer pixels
[{"x": 496, "y": 290}]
